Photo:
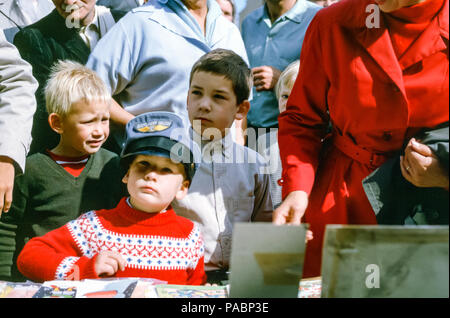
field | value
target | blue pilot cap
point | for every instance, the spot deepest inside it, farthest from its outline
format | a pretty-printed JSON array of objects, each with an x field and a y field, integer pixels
[{"x": 161, "y": 134}]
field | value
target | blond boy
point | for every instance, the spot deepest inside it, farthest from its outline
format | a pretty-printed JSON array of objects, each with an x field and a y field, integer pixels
[
  {"x": 270, "y": 150},
  {"x": 76, "y": 176}
]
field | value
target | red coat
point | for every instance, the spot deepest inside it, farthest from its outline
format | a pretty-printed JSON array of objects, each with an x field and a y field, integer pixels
[{"x": 375, "y": 103}]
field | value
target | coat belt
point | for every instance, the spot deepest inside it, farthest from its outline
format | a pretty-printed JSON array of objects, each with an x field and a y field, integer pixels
[{"x": 364, "y": 156}]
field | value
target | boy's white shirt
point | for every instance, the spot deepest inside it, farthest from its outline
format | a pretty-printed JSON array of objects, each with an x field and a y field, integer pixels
[{"x": 228, "y": 187}]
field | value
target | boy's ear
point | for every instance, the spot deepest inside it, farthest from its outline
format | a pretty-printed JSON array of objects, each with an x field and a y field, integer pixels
[
  {"x": 55, "y": 122},
  {"x": 243, "y": 109},
  {"x": 125, "y": 177},
  {"x": 182, "y": 192}
]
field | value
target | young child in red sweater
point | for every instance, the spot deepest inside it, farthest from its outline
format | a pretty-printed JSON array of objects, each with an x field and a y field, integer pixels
[{"x": 142, "y": 236}]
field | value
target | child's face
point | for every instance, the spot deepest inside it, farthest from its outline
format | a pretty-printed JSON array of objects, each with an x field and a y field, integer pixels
[
  {"x": 285, "y": 91},
  {"x": 212, "y": 101},
  {"x": 153, "y": 182},
  {"x": 84, "y": 129}
]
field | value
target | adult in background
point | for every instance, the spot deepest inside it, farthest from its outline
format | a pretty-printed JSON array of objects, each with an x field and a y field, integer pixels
[
  {"x": 17, "y": 106},
  {"x": 228, "y": 9},
  {"x": 247, "y": 6},
  {"x": 324, "y": 3},
  {"x": 122, "y": 5},
  {"x": 377, "y": 70},
  {"x": 273, "y": 36},
  {"x": 67, "y": 33},
  {"x": 160, "y": 42},
  {"x": 16, "y": 14}
]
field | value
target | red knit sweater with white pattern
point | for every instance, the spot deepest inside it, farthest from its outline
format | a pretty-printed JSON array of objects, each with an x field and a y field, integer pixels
[{"x": 155, "y": 245}]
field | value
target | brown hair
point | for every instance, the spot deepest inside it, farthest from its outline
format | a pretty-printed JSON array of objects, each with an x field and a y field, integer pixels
[{"x": 229, "y": 64}]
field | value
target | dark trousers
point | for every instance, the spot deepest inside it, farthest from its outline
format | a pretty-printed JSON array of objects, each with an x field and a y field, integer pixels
[{"x": 219, "y": 277}]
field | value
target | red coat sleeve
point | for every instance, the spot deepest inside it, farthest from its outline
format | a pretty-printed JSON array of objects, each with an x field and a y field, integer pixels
[
  {"x": 54, "y": 255},
  {"x": 303, "y": 125}
]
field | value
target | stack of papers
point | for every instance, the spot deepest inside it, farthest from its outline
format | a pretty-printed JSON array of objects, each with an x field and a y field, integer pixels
[{"x": 88, "y": 288}]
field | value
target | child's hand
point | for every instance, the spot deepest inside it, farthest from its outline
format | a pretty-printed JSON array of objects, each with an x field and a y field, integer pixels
[{"x": 108, "y": 263}]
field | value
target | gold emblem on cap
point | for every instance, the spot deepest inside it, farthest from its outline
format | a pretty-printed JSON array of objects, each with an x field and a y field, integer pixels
[{"x": 153, "y": 127}]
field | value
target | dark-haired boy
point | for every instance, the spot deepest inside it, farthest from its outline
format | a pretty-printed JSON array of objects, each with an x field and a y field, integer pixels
[{"x": 230, "y": 185}]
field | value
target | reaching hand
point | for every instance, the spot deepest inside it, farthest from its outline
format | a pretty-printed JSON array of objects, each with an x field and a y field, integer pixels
[
  {"x": 108, "y": 263},
  {"x": 291, "y": 209},
  {"x": 421, "y": 167},
  {"x": 6, "y": 183}
]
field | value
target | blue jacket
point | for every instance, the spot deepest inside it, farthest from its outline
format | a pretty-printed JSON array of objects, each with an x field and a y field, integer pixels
[
  {"x": 147, "y": 57},
  {"x": 396, "y": 201}
]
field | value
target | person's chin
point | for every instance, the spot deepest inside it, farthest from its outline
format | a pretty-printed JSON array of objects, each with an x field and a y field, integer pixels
[
  {"x": 93, "y": 147},
  {"x": 386, "y": 6},
  {"x": 146, "y": 203}
]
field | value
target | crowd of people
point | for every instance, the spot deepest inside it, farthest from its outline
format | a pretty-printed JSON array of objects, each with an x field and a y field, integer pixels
[{"x": 135, "y": 134}]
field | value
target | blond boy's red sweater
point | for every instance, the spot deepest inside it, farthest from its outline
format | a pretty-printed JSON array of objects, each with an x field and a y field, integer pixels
[{"x": 155, "y": 245}]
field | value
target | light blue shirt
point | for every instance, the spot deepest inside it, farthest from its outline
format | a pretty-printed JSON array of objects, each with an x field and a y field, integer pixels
[
  {"x": 146, "y": 58},
  {"x": 277, "y": 45},
  {"x": 229, "y": 186}
]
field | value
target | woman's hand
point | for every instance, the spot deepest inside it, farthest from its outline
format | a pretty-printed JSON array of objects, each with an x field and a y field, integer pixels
[
  {"x": 291, "y": 210},
  {"x": 422, "y": 168}
]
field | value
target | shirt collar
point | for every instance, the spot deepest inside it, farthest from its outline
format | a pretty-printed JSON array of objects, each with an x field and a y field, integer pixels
[
  {"x": 183, "y": 13},
  {"x": 295, "y": 14},
  {"x": 94, "y": 22},
  {"x": 210, "y": 148}
]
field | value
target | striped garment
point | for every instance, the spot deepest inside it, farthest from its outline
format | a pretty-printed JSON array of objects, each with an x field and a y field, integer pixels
[
  {"x": 74, "y": 166},
  {"x": 155, "y": 245}
]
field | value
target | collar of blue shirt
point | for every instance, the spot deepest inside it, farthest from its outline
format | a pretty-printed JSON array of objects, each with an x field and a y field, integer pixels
[
  {"x": 295, "y": 14},
  {"x": 214, "y": 12}
]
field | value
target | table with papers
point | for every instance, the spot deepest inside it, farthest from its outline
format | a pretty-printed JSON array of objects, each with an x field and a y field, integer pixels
[{"x": 129, "y": 288}]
